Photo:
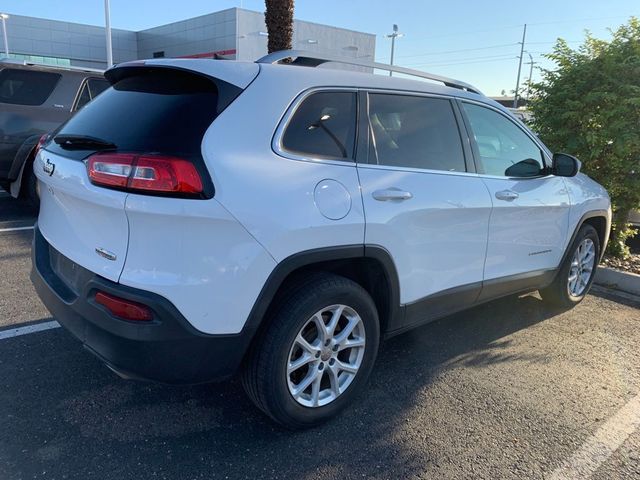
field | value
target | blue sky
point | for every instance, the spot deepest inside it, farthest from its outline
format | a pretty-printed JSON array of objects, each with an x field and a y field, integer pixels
[{"x": 475, "y": 41}]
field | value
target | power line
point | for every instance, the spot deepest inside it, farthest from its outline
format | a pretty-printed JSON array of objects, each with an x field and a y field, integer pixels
[
  {"x": 580, "y": 20},
  {"x": 489, "y": 47},
  {"x": 508, "y": 27},
  {"x": 515, "y": 57},
  {"x": 487, "y": 57},
  {"x": 465, "y": 32}
]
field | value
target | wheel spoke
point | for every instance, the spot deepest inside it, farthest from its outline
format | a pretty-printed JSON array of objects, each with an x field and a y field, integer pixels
[
  {"x": 305, "y": 345},
  {"x": 572, "y": 285},
  {"x": 353, "y": 343},
  {"x": 333, "y": 380},
  {"x": 346, "y": 331},
  {"x": 304, "y": 359},
  {"x": 335, "y": 318},
  {"x": 323, "y": 332},
  {"x": 346, "y": 367},
  {"x": 304, "y": 384},
  {"x": 315, "y": 388}
]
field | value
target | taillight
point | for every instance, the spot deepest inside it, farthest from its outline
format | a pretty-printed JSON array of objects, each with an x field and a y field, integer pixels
[
  {"x": 41, "y": 142},
  {"x": 125, "y": 309},
  {"x": 147, "y": 173}
]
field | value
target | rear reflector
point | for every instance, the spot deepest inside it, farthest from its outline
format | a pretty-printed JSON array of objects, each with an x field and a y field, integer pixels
[
  {"x": 150, "y": 173},
  {"x": 125, "y": 309}
]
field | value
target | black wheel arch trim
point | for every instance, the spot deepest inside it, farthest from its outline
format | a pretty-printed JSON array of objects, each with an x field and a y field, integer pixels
[
  {"x": 22, "y": 156},
  {"x": 590, "y": 214},
  {"x": 308, "y": 258}
]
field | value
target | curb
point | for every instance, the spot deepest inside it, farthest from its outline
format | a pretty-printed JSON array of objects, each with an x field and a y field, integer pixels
[{"x": 626, "y": 282}]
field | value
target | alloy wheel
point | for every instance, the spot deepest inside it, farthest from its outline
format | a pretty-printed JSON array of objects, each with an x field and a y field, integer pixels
[
  {"x": 325, "y": 356},
  {"x": 581, "y": 269}
]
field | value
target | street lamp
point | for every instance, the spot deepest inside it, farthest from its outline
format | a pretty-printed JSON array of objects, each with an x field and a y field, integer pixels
[
  {"x": 107, "y": 30},
  {"x": 4, "y": 17},
  {"x": 393, "y": 37}
]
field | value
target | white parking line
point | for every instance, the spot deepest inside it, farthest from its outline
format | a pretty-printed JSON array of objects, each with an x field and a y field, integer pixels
[
  {"x": 38, "y": 327},
  {"x": 601, "y": 445},
  {"x": 16, "y": 229}
]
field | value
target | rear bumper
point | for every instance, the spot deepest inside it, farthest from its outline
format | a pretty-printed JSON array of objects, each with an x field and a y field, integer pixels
[{"x": 167, "y": 349}]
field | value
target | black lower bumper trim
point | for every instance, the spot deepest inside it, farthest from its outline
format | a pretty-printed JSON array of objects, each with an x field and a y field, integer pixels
[{"x": 167, "y": 350}]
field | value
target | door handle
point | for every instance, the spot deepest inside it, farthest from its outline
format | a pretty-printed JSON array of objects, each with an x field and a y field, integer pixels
[
  {"x": 391, "y": 194},
  {"x": 508, "y": 195}
]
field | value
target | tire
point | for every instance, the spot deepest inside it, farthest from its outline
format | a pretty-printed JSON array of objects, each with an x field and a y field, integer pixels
[
  {"x": 30, "y": 187},
  {"x": 265, "y": 377},
  {"x": 560, "y": 293}
]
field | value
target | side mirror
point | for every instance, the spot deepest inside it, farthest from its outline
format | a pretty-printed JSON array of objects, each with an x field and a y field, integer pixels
[
  {"x": 524, "y": 168},
  {"x": 565, "y": 165}
]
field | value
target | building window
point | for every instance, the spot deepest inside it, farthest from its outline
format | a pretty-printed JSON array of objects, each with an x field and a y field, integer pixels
[{"x": 159, "y": 54}]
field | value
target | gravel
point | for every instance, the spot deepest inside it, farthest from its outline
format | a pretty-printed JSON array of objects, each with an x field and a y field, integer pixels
[{"x": 630, "y": 265}]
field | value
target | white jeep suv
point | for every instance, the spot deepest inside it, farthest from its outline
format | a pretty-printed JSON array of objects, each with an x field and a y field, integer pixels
[{"x": 203, "y": 217}]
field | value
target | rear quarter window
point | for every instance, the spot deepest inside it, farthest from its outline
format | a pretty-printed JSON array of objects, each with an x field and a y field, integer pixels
[
  {"x": 324, "y": 126},
  {"x": 26, "y": 87}
]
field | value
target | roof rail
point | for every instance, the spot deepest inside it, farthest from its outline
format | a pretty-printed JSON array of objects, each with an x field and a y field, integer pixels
[
  {"x": 28, "y": 63},
  {"x": 312, "y": 59}
]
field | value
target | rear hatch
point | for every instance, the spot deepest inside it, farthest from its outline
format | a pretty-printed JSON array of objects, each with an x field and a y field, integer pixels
[{"x": 141, "y": 135}]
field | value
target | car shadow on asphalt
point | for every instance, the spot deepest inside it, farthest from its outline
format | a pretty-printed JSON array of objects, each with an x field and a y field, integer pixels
[
  {"x": 66, "y": 414},
  {"x": 12, "y": 209}
]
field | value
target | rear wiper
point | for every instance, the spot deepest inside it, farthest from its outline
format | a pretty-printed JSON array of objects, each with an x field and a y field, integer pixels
[{"x": 83, "y": 142}]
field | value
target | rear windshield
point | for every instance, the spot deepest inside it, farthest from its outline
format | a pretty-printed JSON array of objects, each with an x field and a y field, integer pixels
[
  {"x": 154, "y": 111},
  {"x": 26, "y": 87}
]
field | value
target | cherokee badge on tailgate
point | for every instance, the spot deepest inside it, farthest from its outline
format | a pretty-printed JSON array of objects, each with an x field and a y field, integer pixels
[{"x": 49, "y": 167}]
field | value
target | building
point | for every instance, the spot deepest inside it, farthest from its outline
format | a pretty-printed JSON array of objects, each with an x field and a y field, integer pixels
[{"x": 232, "y": 34}]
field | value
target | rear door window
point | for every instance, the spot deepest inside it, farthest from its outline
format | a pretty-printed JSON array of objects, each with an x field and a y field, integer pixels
[
  {"x": 324, "y": 126},
  {"x": 26, "y": 87},
  {"x": 415, "y": 132}
]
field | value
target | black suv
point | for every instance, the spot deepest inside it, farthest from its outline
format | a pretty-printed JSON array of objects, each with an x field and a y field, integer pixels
[{"x": 35, "y": 100}]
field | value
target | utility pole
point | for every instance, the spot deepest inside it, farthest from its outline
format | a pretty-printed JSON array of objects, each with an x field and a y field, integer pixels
[
  {"x": 531, "y": 63},
  {"x": 4, "y": 17},
  {"x": 107, "y": 21},
  {"x": 515, "y": 97},
  {"x": 393, "y": 37}
]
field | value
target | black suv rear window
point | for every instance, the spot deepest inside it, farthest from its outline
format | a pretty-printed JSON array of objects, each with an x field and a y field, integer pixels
[
  {"x": 26, "y": 87},
  {"x": 153, "y": 111}
]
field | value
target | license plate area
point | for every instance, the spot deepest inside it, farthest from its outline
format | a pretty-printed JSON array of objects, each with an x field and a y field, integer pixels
[{"x": 69, "y": 272}]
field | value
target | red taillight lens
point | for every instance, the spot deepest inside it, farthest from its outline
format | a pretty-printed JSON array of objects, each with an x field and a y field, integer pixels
[
  {"x": 125, "y": 309},
  {"x": 41, "y": 141},
  {"x": 151, "y": 173}
]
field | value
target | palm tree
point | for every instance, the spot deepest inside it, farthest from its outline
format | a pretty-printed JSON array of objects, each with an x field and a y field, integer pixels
[{"x": 279, "y": 19}]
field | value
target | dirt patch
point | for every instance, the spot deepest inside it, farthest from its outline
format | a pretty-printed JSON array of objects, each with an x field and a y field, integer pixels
[{"x": 630, "y": 265}]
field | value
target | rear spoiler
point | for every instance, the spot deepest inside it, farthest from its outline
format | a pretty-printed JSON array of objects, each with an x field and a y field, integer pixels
[{"x": 239, "y": 74}]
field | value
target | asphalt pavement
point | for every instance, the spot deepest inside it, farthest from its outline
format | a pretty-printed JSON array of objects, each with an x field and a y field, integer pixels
[{"x": 510, "y": 389}]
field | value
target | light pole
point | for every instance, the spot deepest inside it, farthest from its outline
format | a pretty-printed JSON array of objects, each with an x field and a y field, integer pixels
[
  {"x": 515, "y": 96},
  {"x": 531, "y": 63},
  {"x": 4, "y": 17},
  {"x": 393, "y": 37},
  {"x": 107, "y": 29}
]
